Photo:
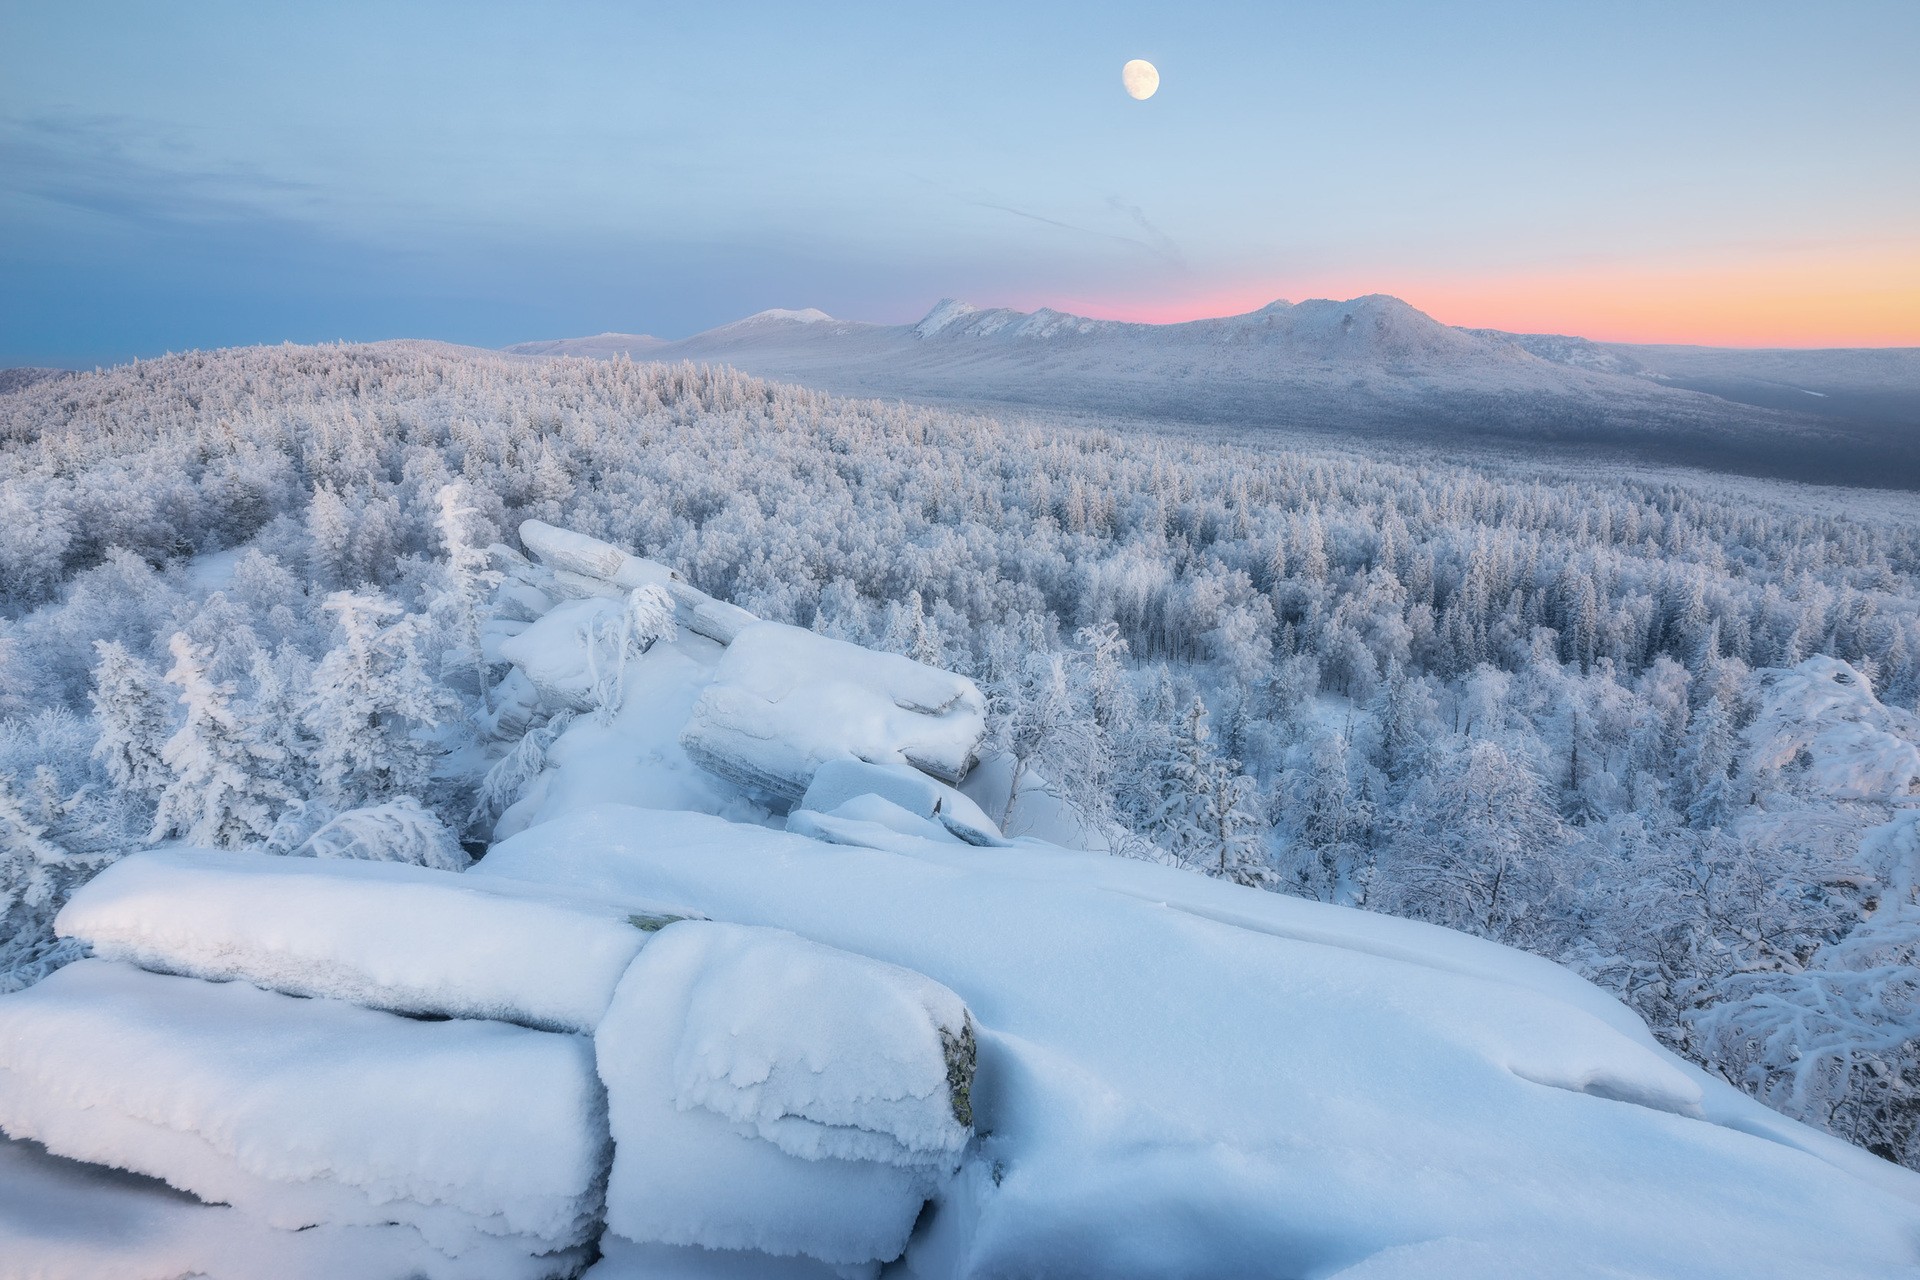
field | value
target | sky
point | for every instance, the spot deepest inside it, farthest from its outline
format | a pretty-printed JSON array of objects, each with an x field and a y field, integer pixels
[{"x": 207, "y": 173}]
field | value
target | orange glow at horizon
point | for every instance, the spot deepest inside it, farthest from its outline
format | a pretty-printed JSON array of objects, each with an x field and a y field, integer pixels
[{"x": 1850, "y": 300}]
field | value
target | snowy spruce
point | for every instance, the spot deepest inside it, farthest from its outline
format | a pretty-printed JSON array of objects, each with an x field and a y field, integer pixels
[{"x": 816, "y": 747}]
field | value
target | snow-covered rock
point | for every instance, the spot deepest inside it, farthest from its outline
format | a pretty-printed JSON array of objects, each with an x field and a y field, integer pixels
[
  {"x": 555, "y": 654},
  {"x": 784, "y": 701},
  {"x": 382, "y": 935},
  {"x": 838, "y": 782},
  {"x": 565, "y": 551},
  {"x": 1822, "y": 731},
  {"x": 686, "y": 1174},
  {"x": 304, "y": 1112},
  {"x": 823, "y": 1053},
  {"x": 585, "y": 567},
  {"x": 1181, "y": 1074}
]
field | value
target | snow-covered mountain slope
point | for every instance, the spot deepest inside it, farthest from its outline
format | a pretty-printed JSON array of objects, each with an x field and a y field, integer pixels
[
  {"x": 680, "y": 1018},
  {"x": 603, "y": 346},
  {"x": 1364, "y": 365},
  {"x": 1862, "y": 387}
]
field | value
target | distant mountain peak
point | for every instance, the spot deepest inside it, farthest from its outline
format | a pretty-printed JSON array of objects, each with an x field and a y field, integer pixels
[
  {"x": 773, "y": 315},
  {"x": 944, "y": 313}
]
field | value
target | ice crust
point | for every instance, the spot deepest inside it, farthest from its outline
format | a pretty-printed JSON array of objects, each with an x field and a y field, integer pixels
[{"x": 383, "y": 935}]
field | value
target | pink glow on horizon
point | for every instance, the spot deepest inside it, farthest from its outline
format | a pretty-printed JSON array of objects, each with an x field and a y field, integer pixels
[{"x": 1841, "y": 300}]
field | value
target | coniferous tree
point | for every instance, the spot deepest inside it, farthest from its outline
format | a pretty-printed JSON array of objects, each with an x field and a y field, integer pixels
[
  {"x": 130, "y": 706},
  {"x": 1707, "y": 763},
  {"x": 465, "y": 579},
  {"x": 372, "y": 705},
  {"x": 221, "y": 791}
]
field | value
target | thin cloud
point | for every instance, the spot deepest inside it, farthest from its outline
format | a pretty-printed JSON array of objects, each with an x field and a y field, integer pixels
[
  {"x": 121, "y": 169},
  {"x": 1159, "y": 245}
]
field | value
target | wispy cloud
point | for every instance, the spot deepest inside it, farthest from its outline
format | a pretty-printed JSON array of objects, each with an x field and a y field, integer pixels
[
  {"x": 1162, "y": 242},
  {"x": 129, "y": 171},
  {"x": 1156, "y": 242}
]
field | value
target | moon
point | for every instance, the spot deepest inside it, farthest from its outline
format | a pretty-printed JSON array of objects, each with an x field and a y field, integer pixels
[{"x": 1140, "y": 78}]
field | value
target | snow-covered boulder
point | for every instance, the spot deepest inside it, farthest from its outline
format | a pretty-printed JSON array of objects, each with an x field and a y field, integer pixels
[
  {"x": 565, "y": 551},
  {"x": 384, "y": 935},
  {"x": 784, "y": 701},
  {"x": 821, "y": 1052},
  {"x": 555, "y": 653},
  {"x": 304, "y": 1112},
  {"x": 840, "y": 782},
  {"x": 767, "y": 1094},
  {"x": 585, "y": 567},
  {"x": 1821, "y": 731}
]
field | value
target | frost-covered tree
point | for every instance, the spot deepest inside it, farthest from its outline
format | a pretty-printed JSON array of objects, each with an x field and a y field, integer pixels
[
  {"x": 1403, "y": 722},
  {"x": 1327, "y": 809},
  {"x": 1206, "y": 815},
  {"x": 221, "y": 789},
  {"x": 329, "y": 538},
  {"x": 1476, "y": 845},
  {"x": 646, "y": 616},
  {"x": 466, "y": 578},
  {"x": 281, "y": 683},
  {"x": 131, "y": 708},
  {"x": 399, "y": 830},
  {"x": 51, "y": 842},
  {"x": 1706, "y": 765},
  {"x": 372, "y": 705}
]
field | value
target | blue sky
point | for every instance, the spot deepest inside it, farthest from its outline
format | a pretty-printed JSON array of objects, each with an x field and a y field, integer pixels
[{"x": 201, "y": 174}]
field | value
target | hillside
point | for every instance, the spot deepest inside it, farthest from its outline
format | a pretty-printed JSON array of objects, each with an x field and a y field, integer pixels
[
  {"x": 1366, "y": 367},
  {"x": 762, "y": 999}
]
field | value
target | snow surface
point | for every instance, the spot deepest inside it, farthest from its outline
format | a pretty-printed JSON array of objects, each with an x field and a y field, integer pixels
[
  {"x": 1270, "y": 1078},
  {"x": 379, "y": 934},
  {"x": 638, "y": 759},
  {"x": 784, "y": 701},
  {"x": 301, "y": 1112},
  {"x": 1821, "y": 727}
]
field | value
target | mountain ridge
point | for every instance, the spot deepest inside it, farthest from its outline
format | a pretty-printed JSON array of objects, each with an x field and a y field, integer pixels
[{"x": 1360, "y": 367}]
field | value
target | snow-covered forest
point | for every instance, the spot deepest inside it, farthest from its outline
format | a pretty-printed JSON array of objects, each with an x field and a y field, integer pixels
[{"x": 1660, "y": 729}]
